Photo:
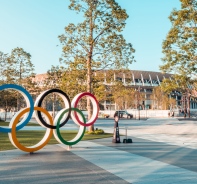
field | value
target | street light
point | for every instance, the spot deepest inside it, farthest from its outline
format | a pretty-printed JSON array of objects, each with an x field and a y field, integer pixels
[
  {"x": 184, "y": 104},
  {"x": 138, "y": 101},
  {"x": 188, "y": 102}
]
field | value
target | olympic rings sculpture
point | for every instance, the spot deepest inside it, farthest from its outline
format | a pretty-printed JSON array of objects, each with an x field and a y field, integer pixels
[{"x": 53, "y": 126}]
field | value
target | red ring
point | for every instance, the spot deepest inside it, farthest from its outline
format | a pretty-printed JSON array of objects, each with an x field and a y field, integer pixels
[{"x": 75, "y": 106}]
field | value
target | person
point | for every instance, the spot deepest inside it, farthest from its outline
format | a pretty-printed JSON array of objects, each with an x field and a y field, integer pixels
[{"x": 115, "y": 114}]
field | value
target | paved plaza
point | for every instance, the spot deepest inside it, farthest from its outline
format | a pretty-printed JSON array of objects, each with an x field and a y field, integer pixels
[{"x": 163, "y": 151}]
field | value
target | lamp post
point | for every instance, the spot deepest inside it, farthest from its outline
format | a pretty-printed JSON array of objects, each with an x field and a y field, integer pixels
[
  {"x": 184, "y": 104},
  {"x": 138, "y": 101},
  {"x": 116, "y": 136},
  {"x": 188, "y": 102}
]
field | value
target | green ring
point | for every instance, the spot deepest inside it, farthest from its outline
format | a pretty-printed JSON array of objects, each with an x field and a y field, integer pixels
[{"x": 58, "y": 128}]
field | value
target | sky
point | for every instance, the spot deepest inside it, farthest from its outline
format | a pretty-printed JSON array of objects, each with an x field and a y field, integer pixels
[{"x": 35, "y": 25}]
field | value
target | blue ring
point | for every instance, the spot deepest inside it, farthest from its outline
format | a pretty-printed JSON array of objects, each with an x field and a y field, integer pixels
[{"x": 31, "y": 102}]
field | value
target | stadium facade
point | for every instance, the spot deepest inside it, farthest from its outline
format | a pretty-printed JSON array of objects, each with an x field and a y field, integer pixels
[{"x": 142, "y": 81}]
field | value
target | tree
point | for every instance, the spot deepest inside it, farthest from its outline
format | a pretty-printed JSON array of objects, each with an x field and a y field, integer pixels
[
  {"x": 19, "y": 70},
  {"x": 74, "y": 82},
  {"x": 161, "y": 99},
  {"x": 8, "y": 101},
  {"x": 180, "y": 45},
  {"x": 157, "y": 98},
  {"x": 102, "y": 89},
  {"x": 73, "y": 79},
  {"x": 123, "y": 96},
  {"x": 21, "y": 67},
  {"x": 3, "y": 58},
  {"x": 97, "y": 41},
  {"x": 54, "y": 80},
  {"x": 176, "y": 83},
  {"x": 139, "y": 98},
  {"x": 5, "y": 69},
  {"x": 22, "y": 70},
  {"x": 15, "y": 68},
  {"x": 54, "y": 77}
]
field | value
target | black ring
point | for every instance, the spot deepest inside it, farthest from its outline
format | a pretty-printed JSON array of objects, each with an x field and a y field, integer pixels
[{"x": 40, "y": 103}]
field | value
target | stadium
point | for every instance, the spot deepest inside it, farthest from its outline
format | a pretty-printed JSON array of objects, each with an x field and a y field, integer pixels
[{"x": 142, "y": 81}]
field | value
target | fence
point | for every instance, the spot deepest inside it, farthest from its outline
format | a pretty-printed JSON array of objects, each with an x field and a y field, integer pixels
[
  {"x": 136, "y": 113},
  {"x": 144, "y": 113}
]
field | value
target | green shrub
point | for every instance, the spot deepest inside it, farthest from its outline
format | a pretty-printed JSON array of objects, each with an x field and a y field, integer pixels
[{"x": 96, "y": 131}]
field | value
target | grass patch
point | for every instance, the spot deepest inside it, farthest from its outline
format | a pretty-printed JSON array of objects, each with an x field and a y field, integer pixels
[
  {"x": 5, "y": 123},
  {"x": 29, "y": 138}
]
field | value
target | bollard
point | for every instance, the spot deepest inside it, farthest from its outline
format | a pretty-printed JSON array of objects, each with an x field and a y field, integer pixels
[{"x": 126, "y": 140}]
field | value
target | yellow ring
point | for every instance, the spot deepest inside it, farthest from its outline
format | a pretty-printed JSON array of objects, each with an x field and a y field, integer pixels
[{"x": 39, "y": 145}]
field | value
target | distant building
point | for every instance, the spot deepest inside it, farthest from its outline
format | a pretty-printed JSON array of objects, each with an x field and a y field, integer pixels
[
  {"x": 143, "y": 81},
  {"x": 146, "y": 80}
]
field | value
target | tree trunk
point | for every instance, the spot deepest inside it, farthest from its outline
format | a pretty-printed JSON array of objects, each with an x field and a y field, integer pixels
[
  {"x": 54, "y": 99},
  {"x": 89, "y": 79},
  {"x": 5, "y": 117},
  {"x": 89, "y": 69}
]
